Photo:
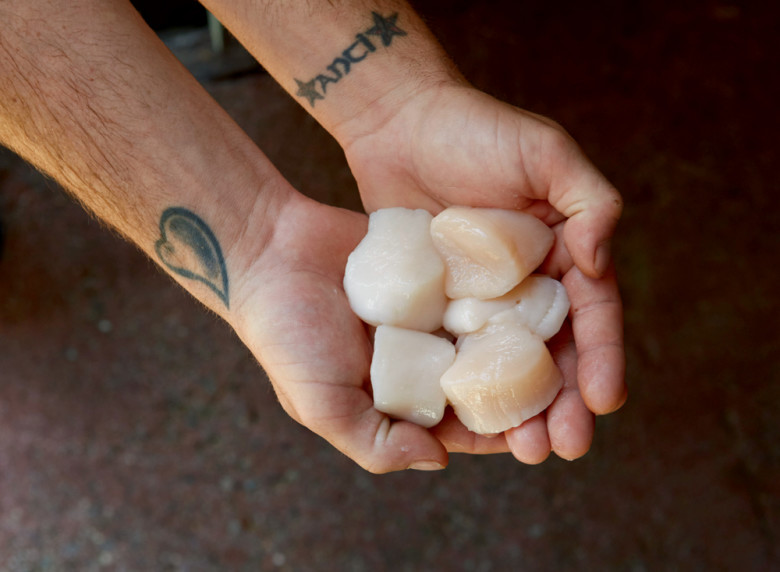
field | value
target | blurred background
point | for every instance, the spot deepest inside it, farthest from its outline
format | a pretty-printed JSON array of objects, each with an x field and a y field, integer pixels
[{"x": 137, "y": 433}]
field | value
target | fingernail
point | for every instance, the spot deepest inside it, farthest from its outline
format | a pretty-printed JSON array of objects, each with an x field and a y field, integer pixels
[
  {"x": 603, "y": 255},
  {"x": 426, "y": 466}
]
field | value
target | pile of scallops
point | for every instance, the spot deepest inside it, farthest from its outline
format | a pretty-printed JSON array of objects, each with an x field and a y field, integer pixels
[{"x": 460, "y": 318}]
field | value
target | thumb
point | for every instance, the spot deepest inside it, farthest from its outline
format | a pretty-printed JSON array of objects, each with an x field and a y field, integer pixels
[
  {"x": 590, "y": 203},
  {"x": 588, "y": 231},
  {"x": 368, "y": 437},
  {"x": 381, "y": 445}
]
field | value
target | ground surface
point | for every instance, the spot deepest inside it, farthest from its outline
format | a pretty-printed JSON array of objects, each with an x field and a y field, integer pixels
[{"x": 137, "y": 433}]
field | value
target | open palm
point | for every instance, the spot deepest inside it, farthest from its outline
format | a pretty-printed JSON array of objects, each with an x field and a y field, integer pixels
[
  {"x": 455, "y": 145},
  {"x": 297, "y": 321}
]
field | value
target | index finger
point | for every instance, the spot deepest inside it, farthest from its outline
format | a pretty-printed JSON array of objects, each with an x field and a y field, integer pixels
[{"x": 586, "y": 198}]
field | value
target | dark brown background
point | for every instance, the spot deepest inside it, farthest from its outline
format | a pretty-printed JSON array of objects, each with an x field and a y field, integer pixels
[{"x": 136, "y": 433}]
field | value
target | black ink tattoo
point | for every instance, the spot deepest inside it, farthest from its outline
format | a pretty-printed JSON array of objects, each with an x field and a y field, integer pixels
[
  {"x": 363, "y": 46},
  {"x": 384, "y": 27},
  {"x": 189, "y": 248},
  {"x": 309, "y": 91}
]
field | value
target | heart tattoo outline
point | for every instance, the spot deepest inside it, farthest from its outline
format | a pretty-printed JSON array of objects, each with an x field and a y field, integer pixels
[{"x": 189, "y": 248}]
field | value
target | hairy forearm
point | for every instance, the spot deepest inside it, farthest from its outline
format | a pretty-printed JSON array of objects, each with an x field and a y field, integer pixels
[
  {"x": 90, "y": 96},
  {"x": 350, "y": 63}
]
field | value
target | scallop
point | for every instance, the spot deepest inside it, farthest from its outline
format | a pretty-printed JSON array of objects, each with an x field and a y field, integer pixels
[
  {"x": 468, "y": 269},
  {"x": 541, "y": 302},
  {"x": 406, "y": 370},
  {"x": 502, "y": 375},
  {"x": 487, "y": 252},
  {"x": 395, "y": 275}
]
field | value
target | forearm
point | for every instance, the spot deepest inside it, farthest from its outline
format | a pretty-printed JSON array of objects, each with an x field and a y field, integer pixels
[
  {"x": 90, "y": 96},
  {"x": 350, "y": 63}
]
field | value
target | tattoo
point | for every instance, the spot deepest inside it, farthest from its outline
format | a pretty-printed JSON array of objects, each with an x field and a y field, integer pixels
[
  {"x": 384, "y": 28},
  {"x": 189, "y": 248}
]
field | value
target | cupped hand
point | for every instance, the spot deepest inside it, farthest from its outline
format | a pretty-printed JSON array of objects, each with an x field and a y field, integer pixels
[
  {"x": 455, "y": 145},
  {"x": 295, "y": 318}
]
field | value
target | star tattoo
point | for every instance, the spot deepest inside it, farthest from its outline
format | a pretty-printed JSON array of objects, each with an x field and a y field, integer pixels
[
  {"x": 308, "y": 90},
  {"x": 385, "y": 28}
]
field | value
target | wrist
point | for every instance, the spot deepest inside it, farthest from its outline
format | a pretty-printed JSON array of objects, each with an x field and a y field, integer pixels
[
  {"x": 120, "y": 124},
  {"x": 400, "y": 59},
  {"x": 307, "y": 247},
  {"x": 349, "y": 64},
  {"x": 403, "y": 93},
  {"x": 252, "y": 238},
  {"x": 395, "y": 59}
]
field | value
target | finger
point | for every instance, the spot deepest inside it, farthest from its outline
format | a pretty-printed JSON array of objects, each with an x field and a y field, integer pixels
[
  {"x": 368, "y": 437},
  {"x": 331, "y": 400},
  {"x": 380, "y": 445},
  {"x": 558, "y": 261},
  {"x": 570, "y": 423},
  {"x": 591, "y": 204},
  {"x": 457, "y": 439},
  {"x": 588, "y": 236},
  {"x": 544, "y": 211},
  {"x": 319, "y": 378},
  {"x": 530, "y": 442},
  {"x": 597, "y": 323}
]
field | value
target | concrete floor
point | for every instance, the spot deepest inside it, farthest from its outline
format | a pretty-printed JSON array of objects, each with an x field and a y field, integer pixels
[{"x": 137, "y": 433}]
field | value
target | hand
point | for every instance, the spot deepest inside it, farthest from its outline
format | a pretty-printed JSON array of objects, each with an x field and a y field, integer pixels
[
  {"x": 296, "y": 319},
  {"x": 454, "y": 145}
]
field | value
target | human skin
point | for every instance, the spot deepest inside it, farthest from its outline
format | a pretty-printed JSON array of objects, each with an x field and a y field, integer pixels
[
  {"x": 89, "y": 95},
  {"x": 417, "y": 135}
]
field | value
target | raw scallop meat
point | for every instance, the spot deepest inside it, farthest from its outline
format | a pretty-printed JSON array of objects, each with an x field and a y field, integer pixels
[
  {"x": 487, "y": 252},
  {"x": 405, "y": 373},
  {"x": 502, "y": 375},
  {"x": 395, "y": 276}
]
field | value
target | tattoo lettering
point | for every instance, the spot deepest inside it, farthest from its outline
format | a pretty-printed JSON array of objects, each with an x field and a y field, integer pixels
[
  {"x": 361, "y": 43},
  {"x": 189, "y": 248},
  {"x": 384, "y": 28}
]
